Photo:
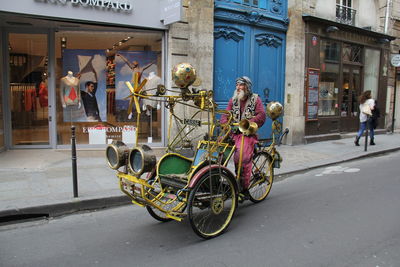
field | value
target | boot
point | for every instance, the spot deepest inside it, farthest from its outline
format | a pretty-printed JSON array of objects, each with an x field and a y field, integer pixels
[
  {"x": 356, "y": 142},
  {"x": 371, "y": 142}
]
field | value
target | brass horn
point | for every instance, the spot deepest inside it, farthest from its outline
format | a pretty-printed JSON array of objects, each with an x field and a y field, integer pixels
[{"x": 247, "y": 127}]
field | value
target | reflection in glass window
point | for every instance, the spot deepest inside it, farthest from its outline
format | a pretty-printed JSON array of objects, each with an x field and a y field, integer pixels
[
  {"x": 371, "y": 71},
  {"x": 330, "y": 51},
  {"x": 328, "y": 90}
]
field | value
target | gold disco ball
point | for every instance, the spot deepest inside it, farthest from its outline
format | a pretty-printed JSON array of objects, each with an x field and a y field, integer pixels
[
  {"x": 183, "y": 75},
  {"x": 274, "y": 110}
]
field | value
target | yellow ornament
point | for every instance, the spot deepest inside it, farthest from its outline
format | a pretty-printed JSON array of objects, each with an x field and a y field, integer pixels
[
  {"x": 274, "y": 110},
  {"x": 183, "y": 75}
]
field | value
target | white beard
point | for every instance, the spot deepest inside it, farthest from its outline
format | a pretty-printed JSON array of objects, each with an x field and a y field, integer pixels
[{"x": 239, "y": 95}]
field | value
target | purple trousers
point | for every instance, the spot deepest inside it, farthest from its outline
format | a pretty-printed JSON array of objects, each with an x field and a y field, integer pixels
[{"x": 247, "y": 156}]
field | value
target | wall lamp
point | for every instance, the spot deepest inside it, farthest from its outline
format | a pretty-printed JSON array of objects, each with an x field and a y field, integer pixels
[
  {"x": 331, "y": 29},
  {"x": 63, "y": 42},
  {"x": 116, "y": 45},
  {"x": 382, "y": 41}
]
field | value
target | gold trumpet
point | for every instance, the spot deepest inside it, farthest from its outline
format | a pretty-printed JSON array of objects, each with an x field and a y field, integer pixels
[{"x": 247, "y": 127}]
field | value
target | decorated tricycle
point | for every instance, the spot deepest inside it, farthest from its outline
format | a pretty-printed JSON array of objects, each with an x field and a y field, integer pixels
[{"x": 187, "y": 182}]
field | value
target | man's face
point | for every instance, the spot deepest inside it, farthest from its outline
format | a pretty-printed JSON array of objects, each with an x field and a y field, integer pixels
[
  {"x": 90, "y": 88},
  {"x": 241, "y": 87}
]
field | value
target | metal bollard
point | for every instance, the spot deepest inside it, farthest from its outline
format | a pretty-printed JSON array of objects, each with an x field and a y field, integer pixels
[
  {"x": 74, "y": 169},
  {"x": 366, "y": 134}
]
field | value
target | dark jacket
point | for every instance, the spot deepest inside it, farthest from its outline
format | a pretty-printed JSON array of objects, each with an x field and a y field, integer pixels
[{"x": 375, "y": 116}]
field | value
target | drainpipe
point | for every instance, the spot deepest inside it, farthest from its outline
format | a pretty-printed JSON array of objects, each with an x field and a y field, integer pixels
[
  {"x": 387, "y": 16},
  {"x": 394, "y": 98}
]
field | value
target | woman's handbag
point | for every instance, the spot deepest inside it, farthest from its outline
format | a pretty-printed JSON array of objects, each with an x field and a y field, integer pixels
[{"x": 365, "y": 108}]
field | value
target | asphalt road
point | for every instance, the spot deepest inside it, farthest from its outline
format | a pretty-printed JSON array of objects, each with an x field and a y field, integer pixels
[{"x": 347, "y": 215}]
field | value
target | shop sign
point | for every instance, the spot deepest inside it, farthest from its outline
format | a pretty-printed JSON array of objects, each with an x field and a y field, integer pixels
[
  {"x": 105, "y": 4},
  {"x": 395, "y": 60},
  {"x": 171, "y": 11},
  {"x": 314, "y": 40}
]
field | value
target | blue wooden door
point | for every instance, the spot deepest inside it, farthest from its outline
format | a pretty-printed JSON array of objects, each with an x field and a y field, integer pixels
[{"x": 241, "y": 49}]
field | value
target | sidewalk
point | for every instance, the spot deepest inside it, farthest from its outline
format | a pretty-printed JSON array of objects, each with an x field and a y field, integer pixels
[{"x": 36, "y": 182}]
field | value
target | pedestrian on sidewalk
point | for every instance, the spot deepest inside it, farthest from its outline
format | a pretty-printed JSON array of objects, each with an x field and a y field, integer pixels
[{"x": 367, "y": 105}]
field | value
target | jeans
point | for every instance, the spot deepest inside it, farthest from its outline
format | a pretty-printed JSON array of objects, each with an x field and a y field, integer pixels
[{"x": 363, "y": 126}]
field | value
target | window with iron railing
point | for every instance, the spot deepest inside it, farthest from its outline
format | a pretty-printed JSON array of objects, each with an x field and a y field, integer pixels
[{"x": 345, "y": 15}]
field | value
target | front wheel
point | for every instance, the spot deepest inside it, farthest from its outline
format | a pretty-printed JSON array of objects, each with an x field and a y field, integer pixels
[
  {"x": 262, "y": 177},
  {"x": 154, "y": 212},
  {"x": 212, "y": 203}
]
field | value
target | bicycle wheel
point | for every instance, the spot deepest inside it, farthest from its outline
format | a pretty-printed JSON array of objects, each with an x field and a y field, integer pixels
[
  {"x": 154, "y": 212},
  {"x": 212, "y": 203},
  {"x": 262, "y": 177},
  {"x": 158, "y": 214}
]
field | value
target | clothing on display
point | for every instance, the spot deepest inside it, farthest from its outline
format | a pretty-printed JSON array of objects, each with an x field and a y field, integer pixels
[
  {"x": 43, "y": 94},
  {"x": 69, "y": 91},
  {"x": 23, "y": 97}
]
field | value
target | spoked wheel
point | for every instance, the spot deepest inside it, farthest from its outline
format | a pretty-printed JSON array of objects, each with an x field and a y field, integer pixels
[
  {"x": 262, "y": 177},
  {"x": 157, "y": 214},
  {"x": 154, "y": 212},
  {"x": 212, "y": 203}
]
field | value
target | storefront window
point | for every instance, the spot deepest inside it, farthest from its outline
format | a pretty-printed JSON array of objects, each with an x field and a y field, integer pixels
[
  {"x": 330, "y": 51},
  {"x": 329, "y": 79},
  {"x": 28, "y": 89},
  {"x": 352, "y": 53},
  {"x": 371, "y": 71},
  {"x": 92, "y": 68}
]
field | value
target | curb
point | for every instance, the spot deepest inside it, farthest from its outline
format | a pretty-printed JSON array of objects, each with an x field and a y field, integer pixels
[
  {"x": 59, "y": 209},
  {"x": 370, "y": 154}
]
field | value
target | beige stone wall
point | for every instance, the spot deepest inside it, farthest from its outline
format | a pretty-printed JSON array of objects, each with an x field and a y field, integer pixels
[
  {"x": 192, "y": 41},
  {"x": 294, "y": 79}
]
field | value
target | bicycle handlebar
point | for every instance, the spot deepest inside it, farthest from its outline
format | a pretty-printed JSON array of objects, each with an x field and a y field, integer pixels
[{"x": 285, "y": 132}]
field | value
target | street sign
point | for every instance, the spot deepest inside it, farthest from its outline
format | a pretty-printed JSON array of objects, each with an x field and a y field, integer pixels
[
  {"x": 395, "y": 60},
  {"x": 171, "y": 11}
]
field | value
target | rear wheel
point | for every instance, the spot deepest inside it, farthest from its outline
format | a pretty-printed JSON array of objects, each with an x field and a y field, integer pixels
[
  {"x": 212, "y": 203},
  {"x": 262, "y": 177}
]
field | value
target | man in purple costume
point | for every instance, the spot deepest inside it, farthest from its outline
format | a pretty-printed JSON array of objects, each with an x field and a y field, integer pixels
[{"x": 244, "y": 104}]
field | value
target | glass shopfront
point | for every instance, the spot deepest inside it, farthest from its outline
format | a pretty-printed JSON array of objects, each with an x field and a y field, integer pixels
[
  {"x": 75, "y": 74},
  {"x": 345, "y": 70}
]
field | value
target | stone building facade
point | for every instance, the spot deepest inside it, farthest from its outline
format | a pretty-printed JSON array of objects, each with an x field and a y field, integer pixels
[{"x": 337, "y": 50}]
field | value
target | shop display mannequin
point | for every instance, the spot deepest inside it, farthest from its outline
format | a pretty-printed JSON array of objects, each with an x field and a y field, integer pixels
[
  {"x": 135, "y": 67},
  {"x": 151, "y": 88},
  {"x": 69, "y": 91}
]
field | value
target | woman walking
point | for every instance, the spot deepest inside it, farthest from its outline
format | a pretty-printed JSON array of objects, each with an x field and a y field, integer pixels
[{"x": 367, "y": 104}]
